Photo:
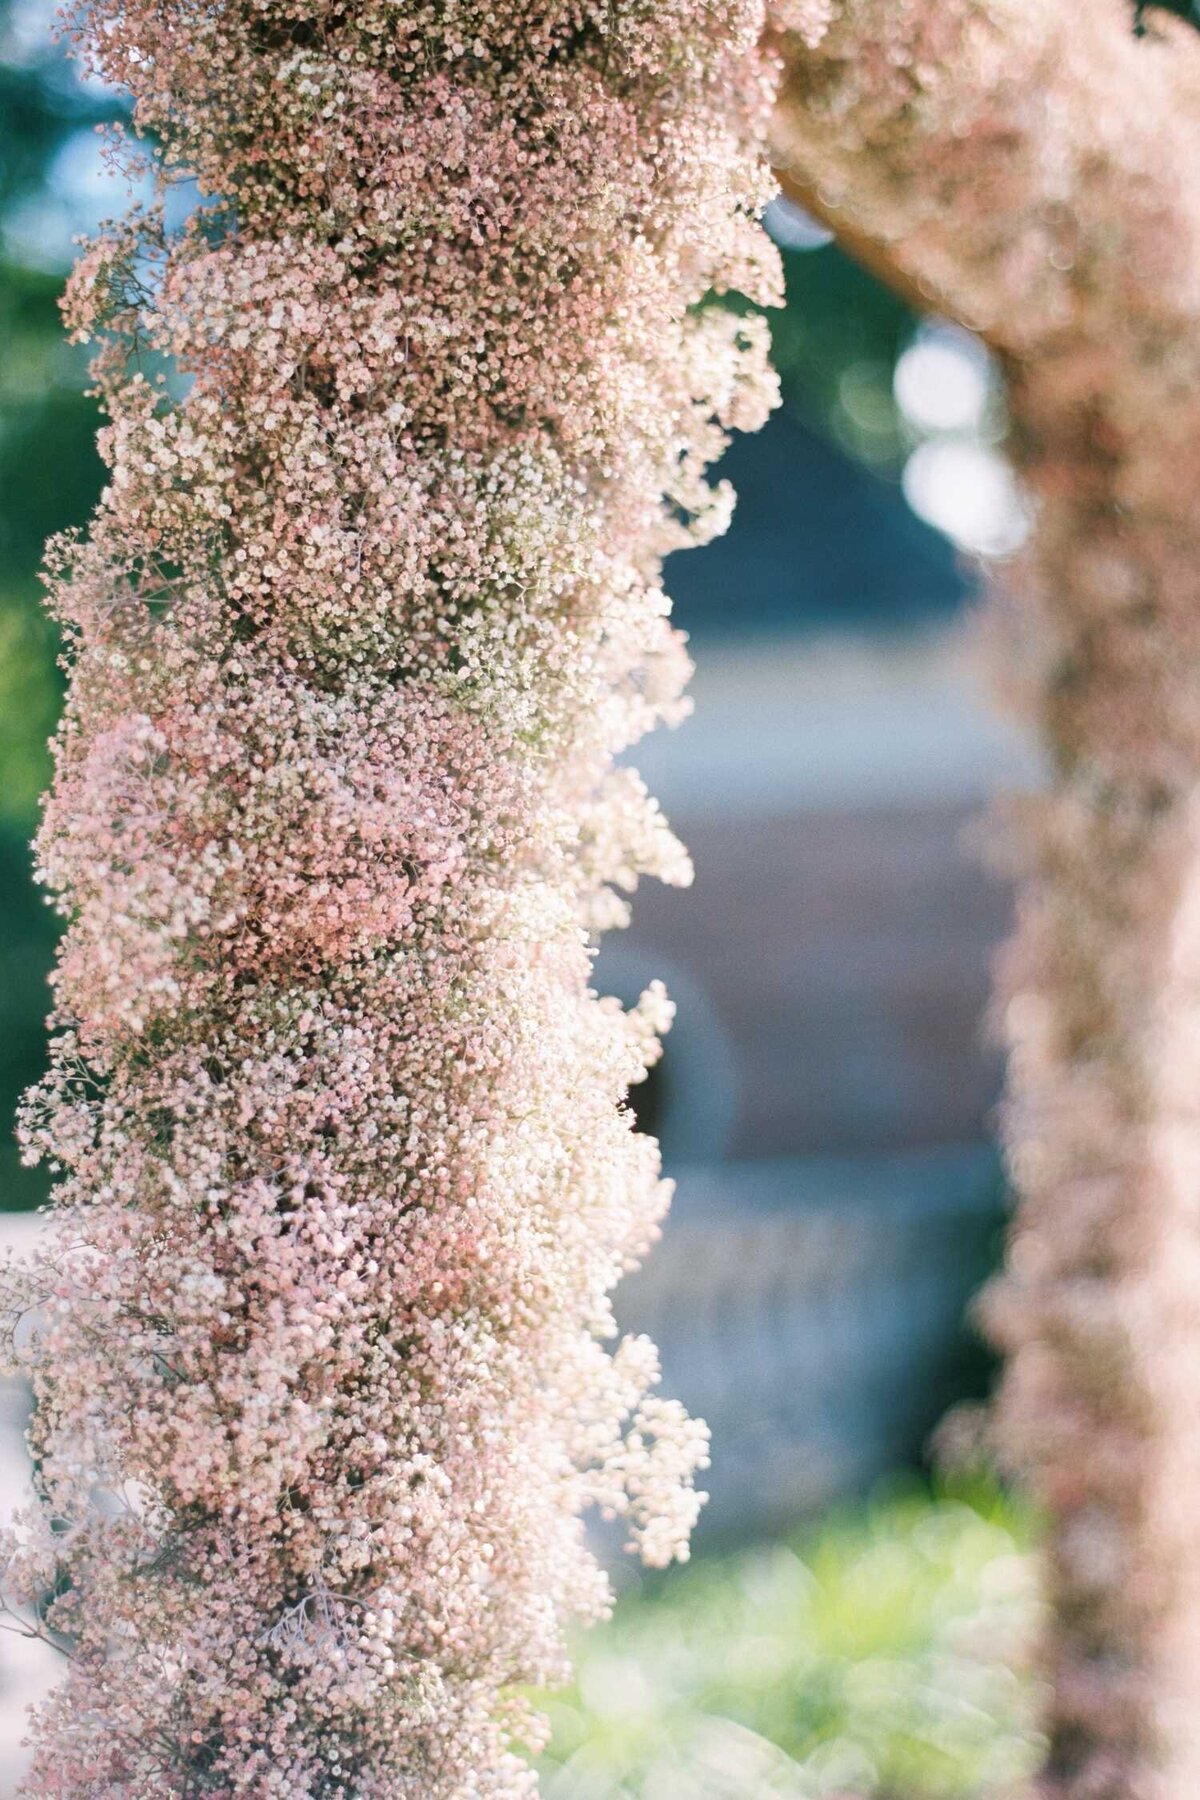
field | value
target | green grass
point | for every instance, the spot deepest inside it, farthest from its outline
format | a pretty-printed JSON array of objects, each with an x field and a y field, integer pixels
[{"x": 884, "y": 1654}]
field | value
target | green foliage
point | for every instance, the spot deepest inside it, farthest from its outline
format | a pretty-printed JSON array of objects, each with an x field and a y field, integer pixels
[
  {"x": 1185, "y": 9},
  {"x": 50, "y": 476},
  {"x": 883, "y": 1654},
  {"x": 835, "y": 345}
]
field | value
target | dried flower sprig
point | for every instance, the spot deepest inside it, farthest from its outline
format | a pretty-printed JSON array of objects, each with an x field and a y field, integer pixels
[{"x": 370, "y": 604}]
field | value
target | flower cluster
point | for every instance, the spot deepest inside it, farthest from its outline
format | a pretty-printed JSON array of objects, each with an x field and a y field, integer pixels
[
  {"x": 1029, "y": 170},
  {"x": 402, "y": 421}
]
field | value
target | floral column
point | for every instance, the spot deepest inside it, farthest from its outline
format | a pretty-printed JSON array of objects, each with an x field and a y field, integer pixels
[{"x": 402, "y": 421}]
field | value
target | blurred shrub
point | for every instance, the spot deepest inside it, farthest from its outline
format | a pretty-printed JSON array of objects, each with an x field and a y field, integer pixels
[
  {"x": 884, "y": 1655},
  {"x": 50, "y": 476}
]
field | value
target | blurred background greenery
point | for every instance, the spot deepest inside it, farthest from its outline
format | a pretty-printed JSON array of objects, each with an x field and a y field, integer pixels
[
  {"x": 50, "y": 476},
  {"x": 884, "y": 1652}
]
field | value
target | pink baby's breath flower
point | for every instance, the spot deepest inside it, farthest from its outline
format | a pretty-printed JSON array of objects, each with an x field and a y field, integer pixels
[
  {"x": 1028, "y": 170},
  {"x": 323, "y": 1365}
]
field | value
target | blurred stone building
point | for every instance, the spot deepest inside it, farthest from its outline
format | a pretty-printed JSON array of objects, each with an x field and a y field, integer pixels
[{"x": 824, "y": 1099}]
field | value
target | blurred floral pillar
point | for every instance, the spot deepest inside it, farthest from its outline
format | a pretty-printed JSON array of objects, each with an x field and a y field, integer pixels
[
  {"x": 1031, "y": 170},
  {"x": 370, "y": 604}
]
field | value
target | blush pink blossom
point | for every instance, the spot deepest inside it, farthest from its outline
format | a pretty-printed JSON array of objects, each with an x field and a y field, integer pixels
[
  {"x": 323, "y": 1348},
  {"x": 1029, "y": 169}
]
